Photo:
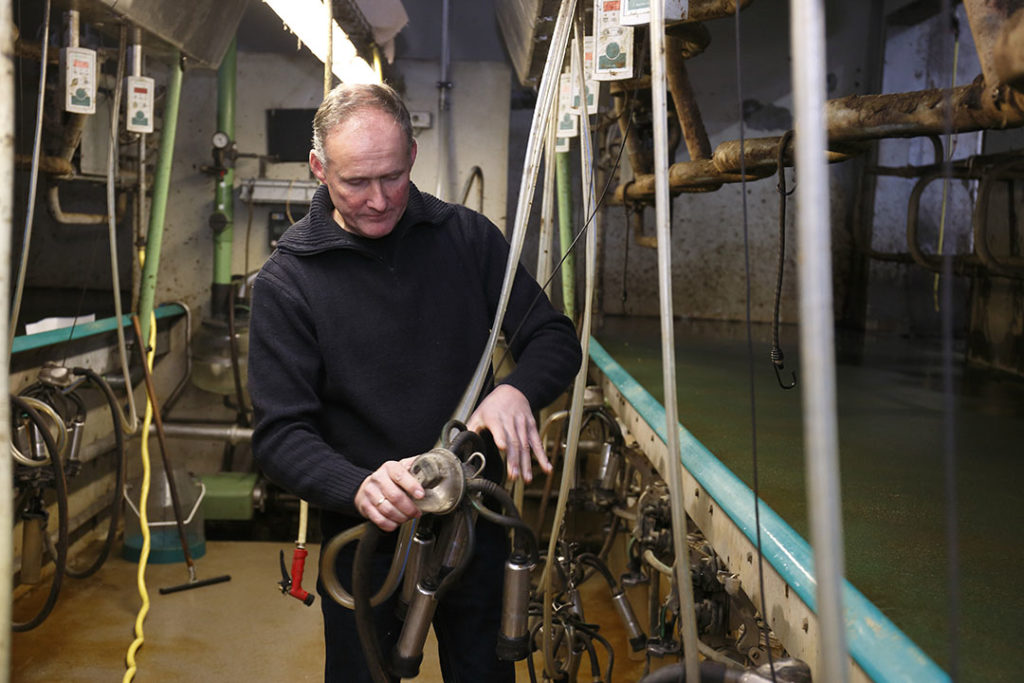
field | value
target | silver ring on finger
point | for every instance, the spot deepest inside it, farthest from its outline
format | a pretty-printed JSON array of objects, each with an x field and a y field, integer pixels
[{"x": 381, "y": 501}]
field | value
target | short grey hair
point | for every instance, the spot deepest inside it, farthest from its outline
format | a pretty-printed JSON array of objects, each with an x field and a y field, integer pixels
[{"x": 349, "y": 98}]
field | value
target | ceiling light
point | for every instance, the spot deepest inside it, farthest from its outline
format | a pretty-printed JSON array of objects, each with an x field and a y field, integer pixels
[{"x": 306, "y": 19}]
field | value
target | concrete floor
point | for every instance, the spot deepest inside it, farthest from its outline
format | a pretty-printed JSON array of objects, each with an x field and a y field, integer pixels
[{"x": 241, "y": 630}]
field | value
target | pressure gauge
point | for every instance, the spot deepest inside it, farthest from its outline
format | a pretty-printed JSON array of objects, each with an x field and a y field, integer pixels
[{"x": 221, "y": 140}]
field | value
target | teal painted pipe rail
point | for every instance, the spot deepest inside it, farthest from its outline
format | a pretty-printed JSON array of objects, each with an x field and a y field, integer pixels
[
  {"x": 881, "y": 649},
  {"x": 28, "y": 342}
]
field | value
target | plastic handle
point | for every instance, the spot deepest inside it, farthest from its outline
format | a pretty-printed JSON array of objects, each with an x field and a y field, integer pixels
[{"x": 298, "y": 566}]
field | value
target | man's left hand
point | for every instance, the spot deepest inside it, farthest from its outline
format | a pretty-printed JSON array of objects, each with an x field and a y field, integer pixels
[{"x": 506, "y": 413}]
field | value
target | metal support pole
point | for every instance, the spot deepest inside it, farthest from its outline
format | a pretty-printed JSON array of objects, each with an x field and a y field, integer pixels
[
  {"x": 817, "y": 358},
  {"x": 659, "y": 115},
  {"x": 6, "y": 216},
  {"x": 161, "y": 189}
]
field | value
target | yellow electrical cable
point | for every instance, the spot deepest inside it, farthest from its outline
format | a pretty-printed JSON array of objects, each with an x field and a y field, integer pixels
[
  {"x": 143, "y": 519},
  {"x": 945, "y": 181}
]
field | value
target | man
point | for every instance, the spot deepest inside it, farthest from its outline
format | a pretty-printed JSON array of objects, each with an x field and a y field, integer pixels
[{"x": 367, "y": 324}]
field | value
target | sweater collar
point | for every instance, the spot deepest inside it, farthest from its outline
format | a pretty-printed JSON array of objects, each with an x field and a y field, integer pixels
[{"x": 318, "y": 231}]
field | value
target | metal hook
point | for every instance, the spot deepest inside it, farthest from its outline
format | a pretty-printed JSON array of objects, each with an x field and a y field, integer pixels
[
  {"x": 777, "y": 362},
  {"x": 778, "y": 376}
]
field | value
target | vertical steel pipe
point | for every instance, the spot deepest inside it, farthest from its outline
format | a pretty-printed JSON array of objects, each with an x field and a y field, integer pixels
[
  {"x": 547, "y": 204},
  {"x": 6, "y": 216},
  {"x": 161, "y": 187},
  {"x": 527, "y": 185},
  {"x": 817, "y": 357},
  {"x": 663, "y": 229}
]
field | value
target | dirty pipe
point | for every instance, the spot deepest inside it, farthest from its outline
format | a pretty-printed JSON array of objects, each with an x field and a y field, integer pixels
[
  {"x": 224, "y": 201},
  {"x": 565, "y": 235},
  {"x": 547, "y": 205},
  {"x": 685, "y": 102},
  {"x": 161, "y": 185},
  {"x": 817, "y": 360},
  {"x": 6, "y": 216},
  {"x": 659, "y": 115}
]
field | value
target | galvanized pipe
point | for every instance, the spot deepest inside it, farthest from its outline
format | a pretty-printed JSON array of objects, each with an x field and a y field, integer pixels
[
  {"x": 817, "y": 358},
  {"x": 663, "y": 230},
  {"x": 7, "y": 97},
  {"x": 528, "y": 183},
  {"x": 231, "y": 433}
]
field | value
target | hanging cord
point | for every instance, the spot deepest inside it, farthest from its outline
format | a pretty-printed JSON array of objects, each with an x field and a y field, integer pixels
[
  {"x": 776, "y": 355},
  {"x": 765, "y": 629},
  {"x": 947, "y": 159},
  {"x": 140, "y": 618},
  {"x": 26, "y": 240},
  {"x": 131, "y": 423},
  {"x": 949, "y": 416}
]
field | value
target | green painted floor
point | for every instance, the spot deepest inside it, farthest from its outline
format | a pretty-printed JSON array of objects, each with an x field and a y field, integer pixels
[{"x": 890, "y": 406}]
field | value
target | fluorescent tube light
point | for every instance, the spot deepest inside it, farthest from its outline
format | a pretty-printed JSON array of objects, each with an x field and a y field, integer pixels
[{"x": 306, "y": 18}]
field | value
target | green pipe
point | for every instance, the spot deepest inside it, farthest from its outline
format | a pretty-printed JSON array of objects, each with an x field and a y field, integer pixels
[
  {"x": 565, "y": 234},
  {"x": 161, "y": 185},
  {"x": 224, "y": 202}
]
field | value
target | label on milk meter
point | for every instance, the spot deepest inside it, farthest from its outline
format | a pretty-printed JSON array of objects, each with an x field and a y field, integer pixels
[
  {"x": 139, "y": 104},
  {"x": 613, "y": 43},
  {"x": 78, "y": 74}
]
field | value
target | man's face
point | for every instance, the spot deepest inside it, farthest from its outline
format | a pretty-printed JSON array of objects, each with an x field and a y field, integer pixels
[{"x": 366, "y": 171}]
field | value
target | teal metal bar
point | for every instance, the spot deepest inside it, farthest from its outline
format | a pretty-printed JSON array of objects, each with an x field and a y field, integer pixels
[
  {"x": 881, "y": 649},
  {"x": 28, "y": 342}
]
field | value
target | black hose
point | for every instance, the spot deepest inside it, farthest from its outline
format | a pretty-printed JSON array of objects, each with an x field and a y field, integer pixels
[
  {"x": 607, "y": 646},
  {"x": 710, "y": 672},
  {"x": 361, "y": 591},
  {"x": 60, "y": 484},
  {"x": 115, "y": 503},
  {"x": 592, "y": 560},
  {"x": 524, "y": 539}
]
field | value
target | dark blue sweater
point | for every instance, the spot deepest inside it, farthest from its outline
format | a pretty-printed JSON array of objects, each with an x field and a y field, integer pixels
[{"x": 360, "y": 349}]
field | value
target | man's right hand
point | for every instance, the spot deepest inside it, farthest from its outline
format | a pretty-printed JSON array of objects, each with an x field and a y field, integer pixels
[{"x": 386, "y": 496}]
